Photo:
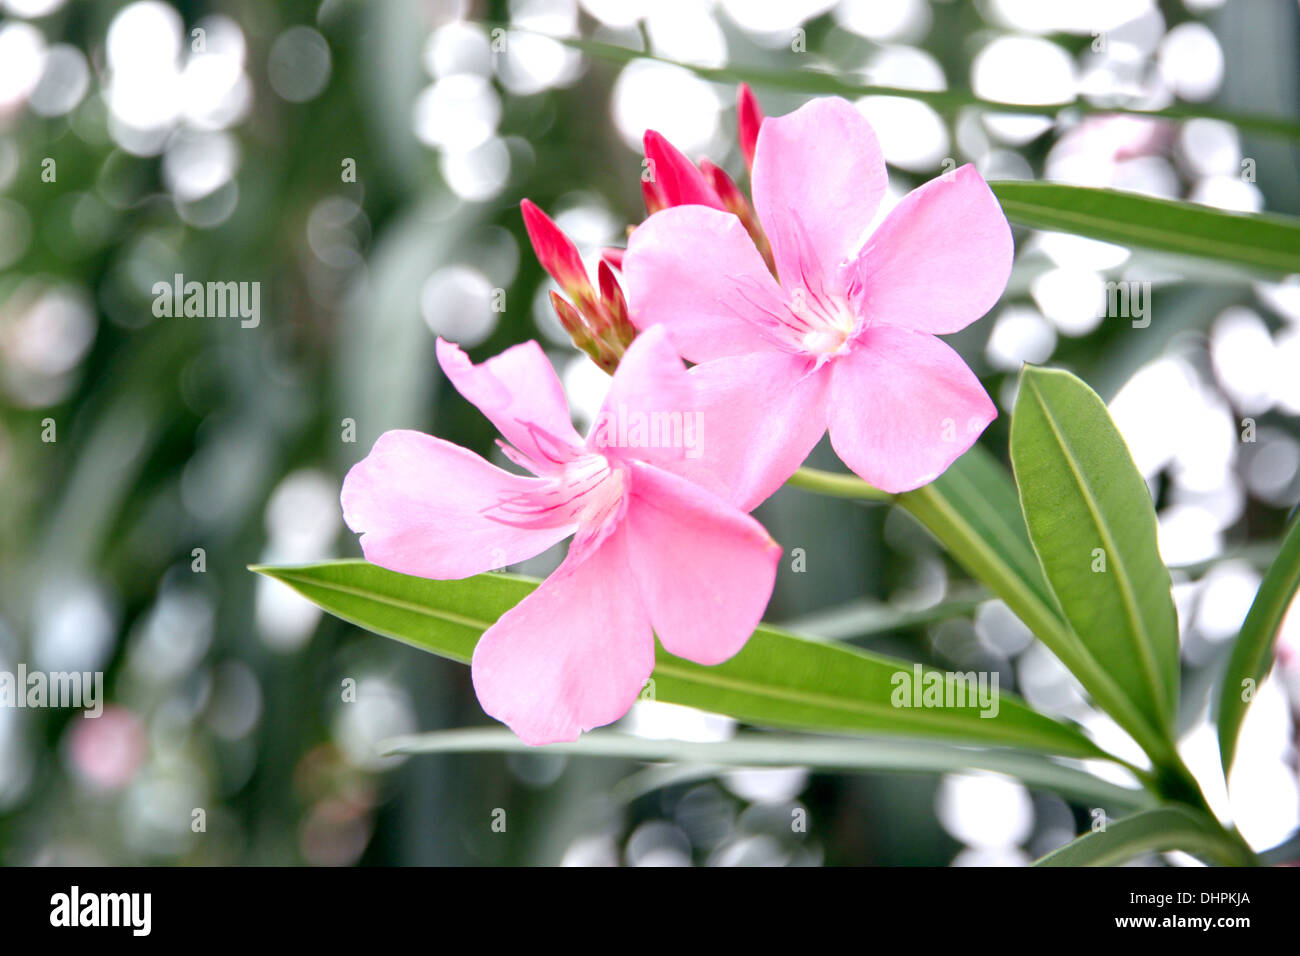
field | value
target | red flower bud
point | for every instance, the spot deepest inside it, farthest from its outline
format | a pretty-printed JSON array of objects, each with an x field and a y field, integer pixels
[
  {"x": 558, "y": 255},
  {"x": 749, "y": 117},
  {"x": 611, "y": 296},
  {"x": 614, "y": 257},
  {"x": 598, "y": 323},
  {"x": 678, "y": 179},
  {"x": 653, "y": 195}
]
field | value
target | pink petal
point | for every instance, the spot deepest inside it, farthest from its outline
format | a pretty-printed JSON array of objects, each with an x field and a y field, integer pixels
[
  {"x": 424, "y": 506},
  {"x": 903, "y": 407},
  {"x": 696, "y": 271},
  {"x": 940, "y": 259},
  {"x": 763, "y": 414},
  {"x": 734, "y": 201},
  {"x": 571, "y": 656},
  {"x": 818, "y": 177},
  {"x": 705, "y": 569},
  {"x": 520, "y": 393},
  {"x": 650, "y": 412},
  {"x": 680, "y": 182}
]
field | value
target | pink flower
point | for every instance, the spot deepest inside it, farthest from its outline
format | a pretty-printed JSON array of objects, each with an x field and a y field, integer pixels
[
  {"x": 650, "y": 549},
  {"x": 846, "y": 339}
]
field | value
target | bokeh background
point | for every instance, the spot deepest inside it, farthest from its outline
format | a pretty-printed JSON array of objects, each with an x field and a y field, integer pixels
[{"x": 216, "y": 140}]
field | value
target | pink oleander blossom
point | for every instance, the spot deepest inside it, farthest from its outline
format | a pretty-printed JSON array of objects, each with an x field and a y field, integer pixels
[
  {"x": 845, "y": 338},
  {"x": 651, "y": 550}
]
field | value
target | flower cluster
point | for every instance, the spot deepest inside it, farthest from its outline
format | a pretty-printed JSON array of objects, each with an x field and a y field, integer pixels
[{"x": 802, "y": 312}]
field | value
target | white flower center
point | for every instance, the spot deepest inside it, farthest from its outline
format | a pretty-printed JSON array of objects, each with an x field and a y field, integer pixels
[{"x": 823, "y": 324}]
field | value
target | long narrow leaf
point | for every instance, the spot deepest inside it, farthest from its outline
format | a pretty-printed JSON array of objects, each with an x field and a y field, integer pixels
[
  {"x": 778, "y": 680},
  {"x": 1092, "y": 524},
  {"x": 972, "y": 509},
  {"x": 782, "y": 750},
  {"x": 1158, "y": 830},
  {"x": 1252, "y": 654},
  {"x": 1264, "y": 243}
]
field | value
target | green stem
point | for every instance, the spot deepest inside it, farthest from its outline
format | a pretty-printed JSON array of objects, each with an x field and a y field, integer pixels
[
  {"x": 836, "y": 485},
  {"x": 1174, "y": 783}
]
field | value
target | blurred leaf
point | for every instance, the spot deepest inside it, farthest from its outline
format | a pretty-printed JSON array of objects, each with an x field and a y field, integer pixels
[
  {"x": 782, "y": 750},
  {"x": 1158, "y": 830},
  {"x": 1252, "y": 654},
  {"x": 867, "y": 618},
  {"x": 1270, "y": 243},
  {"x": 777, "y": 680},
  {"x": 1093, "y": 526},
  {"x": 804, "y": 80}
]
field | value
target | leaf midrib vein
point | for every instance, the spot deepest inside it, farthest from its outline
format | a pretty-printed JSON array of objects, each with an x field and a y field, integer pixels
[{"x": 1129, "y": 599}]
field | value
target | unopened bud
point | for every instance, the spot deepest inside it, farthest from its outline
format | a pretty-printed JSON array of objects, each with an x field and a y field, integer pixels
[
  {"x": 614, "y": 257},
  {"x": 558, "y": 256},
  {"x": 679, "y": 180},
  {"x": 749, "y": 117},
  {"x": 611, "y": 296}
]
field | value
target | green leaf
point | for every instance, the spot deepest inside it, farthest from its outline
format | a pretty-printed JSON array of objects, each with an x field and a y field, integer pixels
[
  {"x": 973, "y": 511},
  {"x": 778, "y": 680},
  {"x": 1252, "y": 654},
  {"x": 785, "y": 750},
  {"x": 1151, "y": 831},
  {"x": 1093, "y": 527},
  {"x": 1266, "y": 243},
  {"x": 819, "y": 82}
]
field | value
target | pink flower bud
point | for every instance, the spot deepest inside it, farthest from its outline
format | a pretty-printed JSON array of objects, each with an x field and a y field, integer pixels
[
  {"x": 558, "y": 255},
  {"x": 749, "y": 117},
  {"x": 654, "y": 197},
  {"x": 611, "y": 296},
  {"x": 678, "y": 179}
]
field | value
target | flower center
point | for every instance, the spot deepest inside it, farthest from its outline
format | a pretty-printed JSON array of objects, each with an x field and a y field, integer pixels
[
  {"x": 587, "y": 491},
  {"x": 597, "y": 487},
  {"x": 822, "y": 323}
]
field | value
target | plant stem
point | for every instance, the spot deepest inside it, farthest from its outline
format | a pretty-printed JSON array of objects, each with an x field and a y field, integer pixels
[
  {"x": 836, "y": 485},
  {"x": 1174, "y": 783}
]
